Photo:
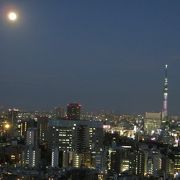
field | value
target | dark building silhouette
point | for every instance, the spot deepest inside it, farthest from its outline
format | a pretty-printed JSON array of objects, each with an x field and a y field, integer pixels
[{"x": 73, "y": 111}]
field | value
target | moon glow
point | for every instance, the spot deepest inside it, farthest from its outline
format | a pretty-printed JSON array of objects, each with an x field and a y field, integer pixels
[{"x": 12, "y": 16}]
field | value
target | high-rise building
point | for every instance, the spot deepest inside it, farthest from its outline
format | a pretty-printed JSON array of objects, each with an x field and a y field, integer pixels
[
  {"x": 81, "y": 143},
  {"x": 73, "y": 111},
  {"x": 176, "y": 154},
  {"x": 168, "y": 165},
  {"x": 13, "y": 118},
  {"x": 139, "y": 162},
  {"x": 123, "y": 159},
  {"x": 78, "y": 136},
  {"x": 152, "y": 122},
  {"x": 24, "y": 125},
  {"x": 32, "y": 156},
  {"x": 32, "y": 153},
  {"x": 55, "y": 157},
  {"x": 13, "y": 115},
  {"x": 32, "y": 137},
  {"x": 42, "y": 124},
  {"x": 59, "y": 113}
]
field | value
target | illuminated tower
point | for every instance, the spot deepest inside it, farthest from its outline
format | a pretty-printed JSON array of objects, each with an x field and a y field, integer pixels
[{"x": 165, "y": 97}]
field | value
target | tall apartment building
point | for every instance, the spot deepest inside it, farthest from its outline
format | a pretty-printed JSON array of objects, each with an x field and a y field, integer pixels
[
  {"x": 55, "y": 157},
  {"x": 42, "y": 126},
  {"x": 122, "y": 159},
  {"x": 78, "y": 138},
  {"x": 32, "y": 152},
  {"x": 13, "y": 118}
]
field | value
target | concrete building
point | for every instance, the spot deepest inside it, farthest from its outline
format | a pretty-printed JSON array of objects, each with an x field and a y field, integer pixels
[
  {"x": 32, "y": 151},
  {"x": 122, "y": 160},
  {"x": 77, "y": 135},
  {"x": 77, "y": 139},
  {"x": 42, "y": 126},
  {"x": 55, "y": 157}
]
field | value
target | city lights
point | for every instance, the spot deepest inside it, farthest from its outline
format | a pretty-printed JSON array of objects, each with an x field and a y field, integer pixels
[
  {"x": 106, "y": 56},
  {"x": 7, "y": 126}
]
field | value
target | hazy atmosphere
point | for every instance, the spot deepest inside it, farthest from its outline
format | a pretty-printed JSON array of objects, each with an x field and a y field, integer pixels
[{"x": 104, "y": 54}]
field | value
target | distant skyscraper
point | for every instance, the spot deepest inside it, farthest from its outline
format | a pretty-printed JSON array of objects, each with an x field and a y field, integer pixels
[
  {"x": 32, "y": 151},
  {"x": 13, "y": 118},
  {"x": 55, "y": 157},
  {"x": 59, "y": 113},
  {"x": 152, "y": 122},
  {"x": 73, "y": 111},
  {"x": 165, "y": 97},
  {"x": 42, "y": 124},
  {"x": 31, "y": 137}
]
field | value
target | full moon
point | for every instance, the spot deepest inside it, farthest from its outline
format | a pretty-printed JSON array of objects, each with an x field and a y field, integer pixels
[{"x": 12, "y": 16}]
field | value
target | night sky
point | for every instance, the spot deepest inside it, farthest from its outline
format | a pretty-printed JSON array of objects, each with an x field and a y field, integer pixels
[{"x": 105, "y": 54}]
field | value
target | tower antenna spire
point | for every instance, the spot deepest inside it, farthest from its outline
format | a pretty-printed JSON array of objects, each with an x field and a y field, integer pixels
[{"x": 165, "y": 95}]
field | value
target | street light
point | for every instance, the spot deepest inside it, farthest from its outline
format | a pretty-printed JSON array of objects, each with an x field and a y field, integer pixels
[{"x": 7, "y": 126}]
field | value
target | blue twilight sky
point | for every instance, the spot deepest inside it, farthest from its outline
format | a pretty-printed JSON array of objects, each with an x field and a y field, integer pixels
[{"x": 105, "y": 54}]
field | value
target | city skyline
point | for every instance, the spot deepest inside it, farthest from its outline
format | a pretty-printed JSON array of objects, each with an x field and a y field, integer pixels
[{"x": 103, "y": 55}]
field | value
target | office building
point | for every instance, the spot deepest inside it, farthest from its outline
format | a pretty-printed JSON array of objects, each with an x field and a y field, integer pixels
[
  {"x": 77, "y": 138},
  {"x": 13, "y": 119},
  {"x": 32, "y": 152},
  {"x": 123, "y": 160},
  {"x": 152, "y": 122},
  {"x": 32, "y": 137},
  {"x": 176, "y": 154},
  {"x": 42, "y": 126},
  {"x": 55, "y": 157}
]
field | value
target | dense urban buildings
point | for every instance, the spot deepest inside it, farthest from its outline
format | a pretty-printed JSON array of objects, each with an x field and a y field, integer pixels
[
  {"x": 109, "y": 146},
  {"x": 74, "y": 144},
  {"x": 120, "y": 60}
]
